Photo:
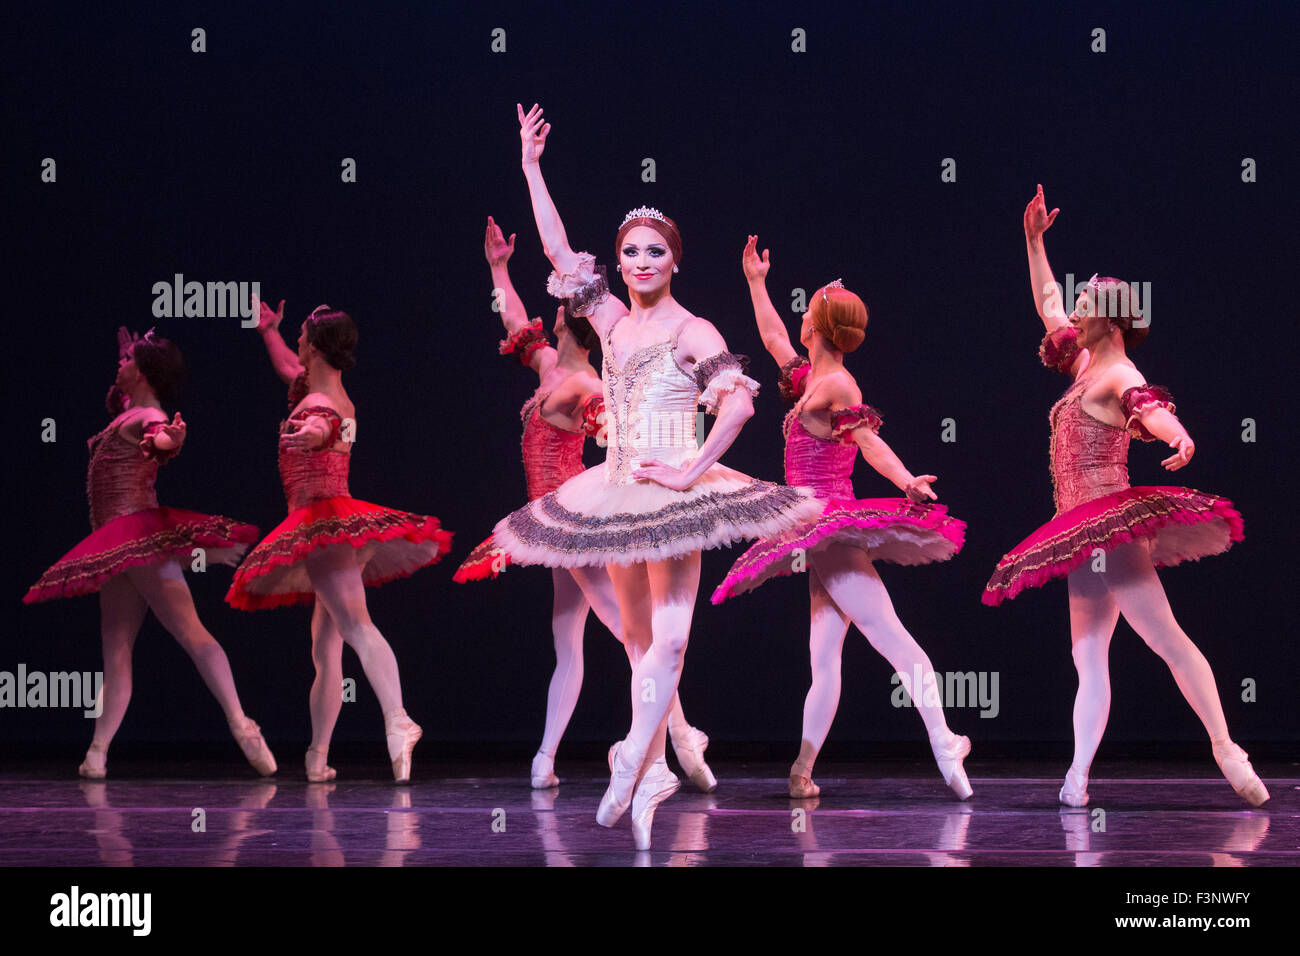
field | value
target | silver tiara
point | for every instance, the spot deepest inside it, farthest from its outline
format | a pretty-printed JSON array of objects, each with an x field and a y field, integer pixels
[
  {"x": 837, "y": 284},
  {"x": 318, "y": 308},
  {"x": 643, "y": 212}
]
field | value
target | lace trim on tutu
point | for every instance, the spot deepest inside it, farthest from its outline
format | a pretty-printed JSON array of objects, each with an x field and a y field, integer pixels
[
  {"x": 523, "y": 342},
  {"x": 149, "y": 447},
  {"x": 1139, "y": 400},
  {"x": 593, "y": 417},
  {"x": 888, "y": 529},
  {"x": 1170, "y": 516},
  {"x": 794, "y": 376},
  {"x": 1059, "y": 348},
  {"x": 223, "y": 540},
  {"x": 846, "y": 420},
  {"x": 719, "y": 375},
  {"x": 585, "y": 287},
  {"x": 487, "y": 560}
]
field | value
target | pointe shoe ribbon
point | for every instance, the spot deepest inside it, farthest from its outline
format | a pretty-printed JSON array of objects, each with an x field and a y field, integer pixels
[
  {"x": 1235, "y": 765},
  {"x": 249, "y": 737},
  {"x": 317, "y": 769},
  {"x": 949, "y": 752},
  {"x": 543, "y": 772},
  {"x": 403, "y": 733},
  {"x": 657, "y": 785},
  {"x": 1074, "y": 791},
  {"x": 690, "y": 754},
  {"x": 94, "y": 769},
  {"x": 625, "y": 770}
]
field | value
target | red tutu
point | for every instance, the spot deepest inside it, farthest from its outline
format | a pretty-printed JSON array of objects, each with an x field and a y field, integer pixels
[
  {"x": 146, "y": 537},
  {"x": 1182, "y": 524},
  {"x": 485, "y": 561},
  {"x": 391, "y": 544}
]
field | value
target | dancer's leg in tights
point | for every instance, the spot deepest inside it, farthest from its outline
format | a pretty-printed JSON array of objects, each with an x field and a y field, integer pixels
[
  {"x": 827, "y": 627},
  {"x": 568, "y": 622},
  {"x": 326, "y": 700},
  {"x": 1093, "y": 615},
  {"x": 121, "y": 612}
]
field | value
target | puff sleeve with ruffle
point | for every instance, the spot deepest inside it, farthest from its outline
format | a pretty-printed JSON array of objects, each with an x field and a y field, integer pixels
[
  {"x": 584, "y": 288},
  {"x": 719, "y": 374},
  {"x": 845, "y": 421},
  {"x": 1140, "y": 400},
  {"x": 1059, "y": 348}
]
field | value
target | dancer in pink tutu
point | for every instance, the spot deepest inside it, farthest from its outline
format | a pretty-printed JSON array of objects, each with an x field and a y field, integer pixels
[
  {"x": 566, "y": 408},
  {"x": 824, "y": 431},
  {"x": 331, "y": 546},
  {"x": 660, "y": 497},
  {"x": 135, "y": 553},
  {"x": 1107, "y": 539}
]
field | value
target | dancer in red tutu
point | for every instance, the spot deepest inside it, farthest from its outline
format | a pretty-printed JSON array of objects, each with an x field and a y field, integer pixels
[
  {"x": 566, "y": 408},
  {"x": 332, "y": 545},
  {"x": 660, "y": 497},
  {"x": 824, "y": 431},
  {"x": 1107, "y": 539},
  {"x": 134, "y": 555}
]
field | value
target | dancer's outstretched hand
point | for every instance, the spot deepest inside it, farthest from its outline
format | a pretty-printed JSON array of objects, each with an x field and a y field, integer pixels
[
  {"x": 170, "y": 436},
  {"x": 268, "y": 319},
  {"x": 1037, "y": 218},
  {"x": 532, "y": 132},
  {"x": 1184, "y": 448},
  {"x": 495, "y": 248},
  {"x": 664, "y": 474},
  {"x": 919, "y": 490},
  {"x": 755, "y": 268}
]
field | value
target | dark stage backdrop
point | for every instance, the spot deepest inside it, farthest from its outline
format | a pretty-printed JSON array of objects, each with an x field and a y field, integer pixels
[{"x": 226, "y": 165}]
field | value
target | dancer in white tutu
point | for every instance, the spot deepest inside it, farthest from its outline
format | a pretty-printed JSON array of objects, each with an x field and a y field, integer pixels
[{"x": 659, "y": 498}]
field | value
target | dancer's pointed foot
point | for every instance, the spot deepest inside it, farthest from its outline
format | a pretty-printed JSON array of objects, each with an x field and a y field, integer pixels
[
  {"x": 317, "y": 770},
  {"x": 95, "y": 766},
  {"x": 543, "y": 772},
  {"x": 1074, "y": 792},
  {"x": 403, "y": 733},
  {"x": 801, "y": 782},
  {"x": 1235, "y": 764},
  {"x": 657, "y": 785},
  {"x": 249, "y": 737},
  {"x": 690, "y": 754},
  {"x": 949, "y": 751},
  {"x": 625, "y": 769}
]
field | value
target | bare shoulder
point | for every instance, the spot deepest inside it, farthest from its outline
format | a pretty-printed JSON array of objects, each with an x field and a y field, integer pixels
[
  {"x": 841, "y": 390},
  {"x": 699, "y": 338},
  {"x": 1120, "y": 377}
]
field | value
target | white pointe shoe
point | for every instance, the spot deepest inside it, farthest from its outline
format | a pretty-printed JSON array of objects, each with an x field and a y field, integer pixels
[
  {"x": 1235, "y": 764},
  {"x": 690, "y": 754},
  {"x": 317, "y": 769},
  {"x": 249, "y": 737},
  {"x": 1074, "y": 792},
  {"x": 949, "y": 752},
  {"x": 403, "y": 734},
  {"x": 801, "y": 783},
  {"x": 625, "y": 769},
  {"x": 95, "y": 766},
  {"x": 658, "y": 784},
  {"x": 543, "y": 772}
]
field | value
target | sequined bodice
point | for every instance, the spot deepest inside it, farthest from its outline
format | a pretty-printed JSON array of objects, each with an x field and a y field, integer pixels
[
  {"x": 311, "y": 475},
  {"x": 1089, "y": 458},
  {"x": 120, "y": 480},
  {"x": 820, "y": 463},
  {"x": 650, "y": 408},
  {"x": 552, "y": 455}
]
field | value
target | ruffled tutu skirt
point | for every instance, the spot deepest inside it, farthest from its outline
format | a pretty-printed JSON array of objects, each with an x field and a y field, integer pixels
[
  {"x": 487, "y": 560},
  {"x": 151, "y": 536},
  {"x": 391, "y": 544},
  {"x": 588, "y": 521},
  {"x": 1183, "y": 524},
  {"x": 888, "y": 529}
]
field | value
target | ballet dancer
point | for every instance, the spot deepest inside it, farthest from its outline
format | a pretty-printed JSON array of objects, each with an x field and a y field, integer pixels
[
  {"x": 331, "y": 546},
  {"x": 1106, "y": 538},
  {"x": 567, "y": 407},
  {"x": 659, "y": 498},
  {"x": 824, "y": 430},
  {"x": 134, "y": 554}
]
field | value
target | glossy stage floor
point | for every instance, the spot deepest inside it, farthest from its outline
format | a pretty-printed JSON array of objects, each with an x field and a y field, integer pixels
[{"x": 886, "y": 812}]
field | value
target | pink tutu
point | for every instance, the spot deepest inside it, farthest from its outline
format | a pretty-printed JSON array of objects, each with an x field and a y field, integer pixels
[
  {"x": 888, "y": 529},
  {"x": 150, "y": 536},
  {"x": 1181, "y": 523},
  {"x": 487, "y": 560}
]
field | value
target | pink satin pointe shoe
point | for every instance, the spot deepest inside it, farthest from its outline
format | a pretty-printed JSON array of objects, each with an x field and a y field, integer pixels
[
  {"x": 657, "y": 785},
  {"x": 1235, "y": 764},
  {"x": 1074, "y": 792},
  {"x": 403, "y": 733},
  {"x": 249, "y": 737},
  {"x": 95, "y": 766},
  {"x": 625, "y": 768},
  {"x": 317, "y": 771},
  {"x": 949, "y": 751},
  {"x": 690, "y": 754},
  {"x": 801, "y": 783},
  {"x": 543, "y": 772}
]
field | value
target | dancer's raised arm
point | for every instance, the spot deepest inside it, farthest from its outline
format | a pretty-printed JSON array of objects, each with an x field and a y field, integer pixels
[
  {"x": 775, "y": 337},
  {"x": 1047, "y": 294},
  {"x": 283, "y": 359},
  {"x": 526, "y": 340},
  {"x": 855, "y": 423}
]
